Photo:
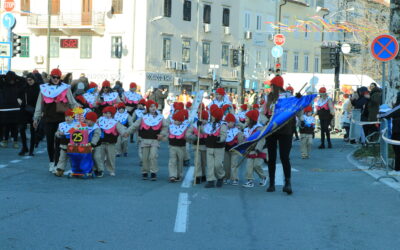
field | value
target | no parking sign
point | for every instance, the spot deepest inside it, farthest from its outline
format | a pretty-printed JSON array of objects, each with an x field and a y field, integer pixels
[{"x": 384, "y": 48}]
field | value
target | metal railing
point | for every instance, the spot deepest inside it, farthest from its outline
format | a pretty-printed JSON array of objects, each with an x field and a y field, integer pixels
[{"x": 96, "y": 19}]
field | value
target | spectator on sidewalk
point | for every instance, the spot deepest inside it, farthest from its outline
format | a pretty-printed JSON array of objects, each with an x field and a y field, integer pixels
[
  {"x": 346, "y": 116},
  {"x": 374, "y": 101}
]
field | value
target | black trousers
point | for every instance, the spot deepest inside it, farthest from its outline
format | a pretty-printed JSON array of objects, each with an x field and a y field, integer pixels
[
  {"x": 325, "y": 131},
  {"x": 53, "y": 145},
  {"x": 285, "y": 145},
  {"x": 346, "y": 136},
  {"x": 396, "y": 149},
  {"x": 22, "y": 131}
]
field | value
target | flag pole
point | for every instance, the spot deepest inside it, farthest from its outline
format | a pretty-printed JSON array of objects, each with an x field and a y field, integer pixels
[{"x": 196, "y": 165}]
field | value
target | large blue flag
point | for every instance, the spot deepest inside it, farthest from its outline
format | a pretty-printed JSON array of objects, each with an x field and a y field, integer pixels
[{"x": 285, "y": 109}]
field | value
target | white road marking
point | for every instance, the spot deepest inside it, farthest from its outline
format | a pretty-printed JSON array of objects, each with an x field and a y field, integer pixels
[
  {"x": 375, "y": 173},
  {"x": 188, "y": 180},
  {"x": 15, "y": 161},
  {"x": 182, "y": 213},
  {"x": 3, "y": 166}
]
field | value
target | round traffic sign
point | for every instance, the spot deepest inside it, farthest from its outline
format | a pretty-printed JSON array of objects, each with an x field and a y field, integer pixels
[
  {"x": 279, "y": 39},
  {"x": 384, "y": 48},
  {"x": 8, "y": 20},
  {"x": 277, "y": 51},
  {"x": 346, "y": 48},
  {"x": 9, "y": 5}
]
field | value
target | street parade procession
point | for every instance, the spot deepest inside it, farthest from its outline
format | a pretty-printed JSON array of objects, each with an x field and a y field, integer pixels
[
  {"x": 86, "y": 131},
  {"x": 199, "y": 124}
]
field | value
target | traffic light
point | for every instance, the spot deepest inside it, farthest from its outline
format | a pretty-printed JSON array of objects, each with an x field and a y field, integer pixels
[
  {"x": 235, "y": 58},
  {"x": 16, "y": 44},
  {"x": 334, "y": 56}
]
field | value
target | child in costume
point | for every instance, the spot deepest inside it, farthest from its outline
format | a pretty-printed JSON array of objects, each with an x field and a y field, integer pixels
[
  {"x": 111, "y": 129},
  {"x": 255, "y": 158},
  {"x": 91, "y": 95},
  {"x": 307, "y": 127},
  {"x": 106, "y": 97},
  {"x": 233, "y": 138},
  {"x": 177, "y": 146},
  {"x": 200, "y": 158},
  {"x": 122, "y": 116},
  {"x": 94, "y": 140},
  {"x": 131, "y": 99},
  {"x": 151, "y": 128},
  {"x": 137, "y": 114},
  {"x": 63, "y": 133},
  {"x": 215, "y": 131}
]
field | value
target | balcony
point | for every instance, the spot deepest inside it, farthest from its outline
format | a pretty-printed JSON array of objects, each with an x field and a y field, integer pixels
[{"x": 68, "y": 23}]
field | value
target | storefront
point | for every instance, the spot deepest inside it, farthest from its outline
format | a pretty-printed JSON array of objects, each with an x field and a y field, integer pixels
[{"x": 230, "y": 86}]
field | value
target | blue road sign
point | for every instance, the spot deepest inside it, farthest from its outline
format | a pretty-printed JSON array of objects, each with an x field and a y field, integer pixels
[
  {"x": 8, "y": 21},
  {"x": 277, "y": 51},
  {"x": 384, "y": 48}
]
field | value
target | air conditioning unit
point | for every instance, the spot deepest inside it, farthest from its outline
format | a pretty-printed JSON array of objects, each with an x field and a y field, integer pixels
[
  {"x": 177, "y": 81},
  {"x": 235, "y": 73},
  {"x": 210, "y": 71},
  {"x": 207, "y": 28},
  {"x": 169, "y": 64},
  {"x": 184, "y": 67},
  {"x": 270, "y": 37},
  {"x": 248, "y": 35},
  {"x": 178, "y": 66},
  {"x": 227, "y": 31}
]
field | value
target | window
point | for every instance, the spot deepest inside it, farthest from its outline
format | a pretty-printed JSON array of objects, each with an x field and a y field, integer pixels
[
  {"x": 186, "y": 50},
  {"x": 247, "y": 16},
  {"x": 54, "y": 47},
  {"x": 187, "y": 10},
  {"x": 167, "y": 8},
  {"x": 316, "y": 64},
  {"x": 206, "y": 52},
  {"x": 24, "y": 46},
  {"x": 296, "y": 62},
  {"x": 86, "y": 47},
  {"x": 207, "y": 14},
  {"x": 116, "y": 47},
  {"x": 117, "y": 6},
  {"x": 317, "y": 36},
  {"x": 25, "y": 7},
  {"x": 284, "y": 60},
  {"x": 306, "y": 35},
  {"x": 258, "y": 59},
  {"x": 55, "y": 7},
  {"x": 305, "y": 63},
  {"x": 166, "y": 48},
  {"x": 225, "y": 17},
  {"x": 225, "y": 55},
  {"x": 271, "y": 20},
  {"x": 259, "y": 22}
]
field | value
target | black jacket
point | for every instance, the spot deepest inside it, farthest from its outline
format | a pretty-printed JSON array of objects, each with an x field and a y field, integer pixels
[
  {"x": 30, "y": 96},
  {"x": 11, "y": 89}
]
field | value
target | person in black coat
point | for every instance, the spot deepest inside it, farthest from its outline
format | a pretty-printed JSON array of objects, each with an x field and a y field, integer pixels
[
  {"x": 11, "y": 98},
  {"x": 30, "y": 93},
  {"x": 395, "y": 115}
]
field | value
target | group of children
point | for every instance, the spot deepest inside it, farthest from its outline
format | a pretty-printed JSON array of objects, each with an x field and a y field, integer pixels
[{"x": 212, "y": 131}]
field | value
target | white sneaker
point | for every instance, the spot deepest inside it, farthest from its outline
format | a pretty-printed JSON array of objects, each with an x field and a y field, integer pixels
[
  {"x": 249, "y": 184},
  {"x": 235, "y": 182},
  {"x": 112, "y": 174},
  {"x": 263, "y": 182},
  {"x": 51, "y": 167}
]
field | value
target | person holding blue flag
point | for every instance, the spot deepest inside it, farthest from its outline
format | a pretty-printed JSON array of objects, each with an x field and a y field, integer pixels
[{"x": 282, "y": 137}]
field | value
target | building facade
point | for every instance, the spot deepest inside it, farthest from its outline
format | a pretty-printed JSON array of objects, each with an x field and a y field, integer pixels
[{"x": 176, "y": 44}]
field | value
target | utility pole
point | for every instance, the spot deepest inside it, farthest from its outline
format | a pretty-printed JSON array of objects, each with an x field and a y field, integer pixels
[
  {"x": 48, "y": 36},
  {"x": 337, "y": 71},
  {"x": 242, "y": 76}
]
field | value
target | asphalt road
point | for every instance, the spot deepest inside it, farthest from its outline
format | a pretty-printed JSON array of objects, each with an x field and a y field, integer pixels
[{"x": 334, "y": 206}]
